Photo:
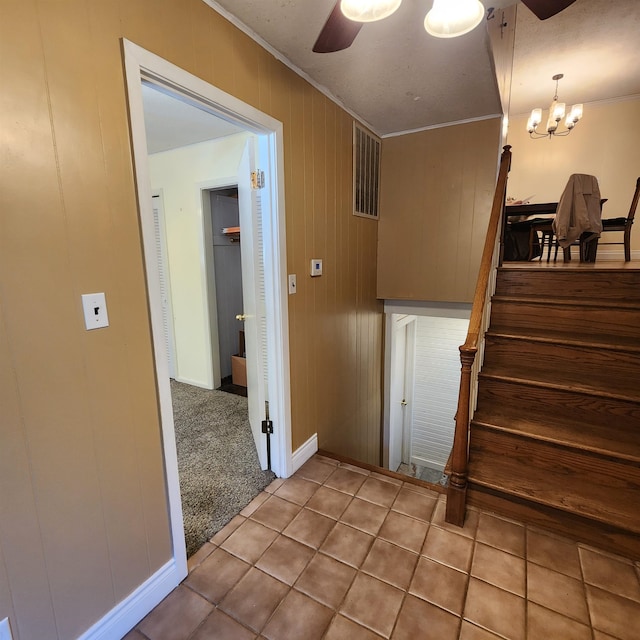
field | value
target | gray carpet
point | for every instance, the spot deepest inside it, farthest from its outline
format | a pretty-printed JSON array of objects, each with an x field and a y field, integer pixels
[{"x": 217, "y": 460}]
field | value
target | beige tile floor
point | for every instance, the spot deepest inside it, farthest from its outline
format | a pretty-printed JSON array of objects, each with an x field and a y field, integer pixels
[{"x": 337, "y": 552}]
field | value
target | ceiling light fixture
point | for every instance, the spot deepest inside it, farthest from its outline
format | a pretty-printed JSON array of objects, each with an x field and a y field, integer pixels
[
  {"x": 556, "y": 113},
  {"x": 368, "y": 10},
  {"x": 451, "y": 18}
]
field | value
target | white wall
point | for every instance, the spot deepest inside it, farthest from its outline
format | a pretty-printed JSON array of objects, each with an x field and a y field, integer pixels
[
  {"x": 604, "y": 144},
  {"x": 182, "y": 174}
]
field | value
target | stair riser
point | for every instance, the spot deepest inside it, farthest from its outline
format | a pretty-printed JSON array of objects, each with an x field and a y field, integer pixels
[
  {"x": 607, "y": 489},
  {"x": 507, "y": 398},
  {"x": 592, "y": 320},
  {"x": 537, "y": 359},
  {"x": 587, "y": 284}
]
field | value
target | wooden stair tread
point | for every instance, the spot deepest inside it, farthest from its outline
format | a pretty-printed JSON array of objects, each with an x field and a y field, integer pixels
[
  {"x": 566, "y": 301},
  {"x": 550, "y": 336},
  {"x": 628, "y": 392},
  {"x": 560, "y": 490},
  {"x": 612, "y": 441}
]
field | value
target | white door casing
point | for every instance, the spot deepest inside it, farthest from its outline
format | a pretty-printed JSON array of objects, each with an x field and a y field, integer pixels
[{"x": 141, "y": 64}]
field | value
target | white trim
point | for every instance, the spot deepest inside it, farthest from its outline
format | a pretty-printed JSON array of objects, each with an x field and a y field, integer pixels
[
  {"x": 304, "y": 452},
  {"x": 127, "y": 613},
  {"x": 440, "y": 125},
  {"x": 236, "y": 22},
  {"x": 614, "y": 254}
]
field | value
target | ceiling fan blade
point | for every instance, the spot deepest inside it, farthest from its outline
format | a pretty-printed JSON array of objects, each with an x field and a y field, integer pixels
[
  {"x": 546, "y": 8},
  {"x": 338, "y": 32}
]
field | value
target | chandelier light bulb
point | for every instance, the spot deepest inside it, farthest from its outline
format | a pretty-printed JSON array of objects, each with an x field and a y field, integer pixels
[
  {"x": 368, "y": 10},
  {"x": 452, "y": 18}
]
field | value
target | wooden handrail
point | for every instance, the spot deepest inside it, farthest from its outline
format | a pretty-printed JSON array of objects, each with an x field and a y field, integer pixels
[{"x": 457, "y": 490}]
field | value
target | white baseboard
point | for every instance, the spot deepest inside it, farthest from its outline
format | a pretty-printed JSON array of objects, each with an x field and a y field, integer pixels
[
  {"x": 127, "y": 613},
  {"x": 304, "y": 452},
  {"x": 193, "y": 383},
  {"x": 615, "y": 254}
]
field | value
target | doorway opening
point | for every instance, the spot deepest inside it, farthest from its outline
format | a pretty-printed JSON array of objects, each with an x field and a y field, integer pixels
[
  {"x": 193, "y": 320},
  {"x": 422, "y": 377}
]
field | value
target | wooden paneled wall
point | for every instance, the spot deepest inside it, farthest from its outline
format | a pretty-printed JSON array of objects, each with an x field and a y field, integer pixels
[
  {"x": 83, "y": 511},
  {"x": 437, "y": 188}
]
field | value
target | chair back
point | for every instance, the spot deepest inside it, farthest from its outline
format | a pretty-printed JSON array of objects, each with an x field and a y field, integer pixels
[{"x": 634, "y": 203}]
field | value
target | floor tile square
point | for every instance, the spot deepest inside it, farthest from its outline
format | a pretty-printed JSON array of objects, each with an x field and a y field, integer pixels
[
  {"x": 499, "y": 568},
  {"x": 347, "y": 544},
  {"x": 252, "y": 601},
  {"x": 254, "y": 504},
  {"x": 276, "y": 513},
  {"x": 378, "y": 492},
  {"x": 420, "y": 619},
  {"x": 440, "y": 585},
  {"x": 249, "y": 541},
  {"x": 470, "y": 522},
  {"x": 609, "y": 573},
  {"x": 326, "y": 580},
  {"x": 554, "y": 553},
  {"x": 385, "y": 478},
  {"x": 316, "y": 470},
  {"x": 297, "y": 490},
  {"x": 373, "y": 604},
  {"x": 404, "y": 531},
  {"x": 310, "y": 528},
  {"x": 345, "y": 480},
  {"x": 342, "y": 628},
  {"x": 217, "y": 575},
  {"x": 415, "y": 504},
  {"x": 275, "y": 485},
  {"x": 543, "y": 624},
  {"x": 496, "y": 610},
  {"x": 448, "y": 548},
  {"x": 364, "y": 515},
  {"x": 298, "y": 616},
  {"x": 390, "y": 563},
  {"x": 221, "y": 627},
  {"x": 285, "y": 559},
  {"x": 201, "y": 554},
  {"x": 612, "y": 614},
  {"x": 177, "y": 616},
  {"x": 227, "y": 530},
  {"x": 329, "y": 502},
  {"x": 501, "y": 534},
  {"x": 557, "y": 592}
]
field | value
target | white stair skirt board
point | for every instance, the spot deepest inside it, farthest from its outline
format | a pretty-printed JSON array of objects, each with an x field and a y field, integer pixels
[
  {"x": 127, "y": 613},
  {"x": 304, "y": 452}
]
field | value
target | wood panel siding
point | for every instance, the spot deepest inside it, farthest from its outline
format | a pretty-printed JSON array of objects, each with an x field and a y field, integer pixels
[
  {"x": 84, "y": 510},
  {"x": 437, "y": 187}
]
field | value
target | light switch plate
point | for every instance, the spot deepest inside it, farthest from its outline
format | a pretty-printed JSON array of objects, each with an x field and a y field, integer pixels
[
  {"x": 292, "y": 283},
  {"x": 316, "y": 267},
  {"x": 95, "y": 310}
]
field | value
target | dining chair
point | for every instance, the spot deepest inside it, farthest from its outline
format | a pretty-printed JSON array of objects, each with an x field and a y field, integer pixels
[{"x": 624, "y": 224}]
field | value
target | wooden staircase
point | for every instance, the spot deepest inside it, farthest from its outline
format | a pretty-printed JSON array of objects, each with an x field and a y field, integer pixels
[{"x": 555, "y": 439}]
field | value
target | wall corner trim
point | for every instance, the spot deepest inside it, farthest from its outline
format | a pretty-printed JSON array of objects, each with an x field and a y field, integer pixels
[
  {"x": 304, "y": 452},
  {"x": 127, "y": 613}
]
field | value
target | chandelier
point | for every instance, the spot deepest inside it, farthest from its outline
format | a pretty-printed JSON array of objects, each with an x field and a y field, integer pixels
[{"x": 556, "y": 113}]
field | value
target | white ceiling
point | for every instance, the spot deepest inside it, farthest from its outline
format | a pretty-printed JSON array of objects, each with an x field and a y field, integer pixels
[{"x": 395, "y": 77}]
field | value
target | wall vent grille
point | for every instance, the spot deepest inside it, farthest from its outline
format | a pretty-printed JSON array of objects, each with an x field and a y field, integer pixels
[{"x": 366, "y": 173}]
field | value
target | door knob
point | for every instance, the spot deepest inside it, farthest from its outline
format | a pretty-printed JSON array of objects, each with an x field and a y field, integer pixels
[{"x": 241, "y": 317}]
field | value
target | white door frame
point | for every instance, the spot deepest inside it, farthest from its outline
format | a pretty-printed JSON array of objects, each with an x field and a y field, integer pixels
[{"x": 141, "y": 64}]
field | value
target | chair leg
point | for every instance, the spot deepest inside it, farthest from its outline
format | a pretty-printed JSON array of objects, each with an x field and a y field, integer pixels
[{"x": 627, "y": 245}]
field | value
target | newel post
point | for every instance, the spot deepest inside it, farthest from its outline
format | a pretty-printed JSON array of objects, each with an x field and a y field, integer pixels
[{"x": 457, "y": 491}]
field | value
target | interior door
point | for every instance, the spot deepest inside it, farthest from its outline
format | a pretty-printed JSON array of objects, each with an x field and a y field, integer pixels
[
  {"x": 253, "y": 294},
  {"x": 165, "y": 286}
]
